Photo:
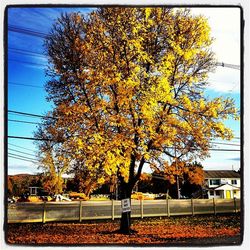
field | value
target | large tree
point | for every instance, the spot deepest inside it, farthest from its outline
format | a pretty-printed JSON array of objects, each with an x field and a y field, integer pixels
[{"x": 128, "y": 90}]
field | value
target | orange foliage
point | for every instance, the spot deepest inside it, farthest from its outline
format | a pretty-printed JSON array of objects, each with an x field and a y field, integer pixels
[
  {"x": 145, "y": 177},
  {"x": 193, "y": 172}
]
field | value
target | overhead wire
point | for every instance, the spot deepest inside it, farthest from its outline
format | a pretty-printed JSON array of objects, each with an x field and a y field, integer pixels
[
  {"x": 19, "y": 121},
  {"x": 27, "y": 138},
  {"x": 46, "y": 139},
  {"x": 14, "y": 145},
  {"x": 26, "y": 85},
  {"x": 26, "y": 31},
  {"x": 26, "y": 62},
  {"x": 26, "y": 52},
  {"x": 41, "y": 116},
  {"x": 20, "y": 159},
  {"x": 21, "y": 152},
  {"x": 229, "y": 144},
  {"x": 31, "y": 32},
  {"x": 30, "y": 114},
  {"x": 21, "y": 156}
]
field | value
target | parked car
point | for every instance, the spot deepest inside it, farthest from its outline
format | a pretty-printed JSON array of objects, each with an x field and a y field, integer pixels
[
  {"x": 78, "y": 196},
  {"x": 142, "y": 196},
  {"x": 11, "y": 200}
]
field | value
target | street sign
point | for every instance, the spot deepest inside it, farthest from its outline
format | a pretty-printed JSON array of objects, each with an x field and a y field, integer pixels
[{"x": 126, "y": 205}]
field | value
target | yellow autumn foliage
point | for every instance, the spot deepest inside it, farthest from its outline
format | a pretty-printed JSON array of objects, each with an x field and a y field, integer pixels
[{"x": 134, "y": 89}]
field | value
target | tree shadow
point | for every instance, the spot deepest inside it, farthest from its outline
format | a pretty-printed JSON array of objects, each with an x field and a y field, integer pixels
[{"x": 119, "y": 231}]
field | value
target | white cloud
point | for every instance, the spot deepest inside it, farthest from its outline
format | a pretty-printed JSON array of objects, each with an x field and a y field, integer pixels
[
  {"x": 223, "y": 160},
  {"x": 25, "y": 168},
  {"x": 215, "y": 165},
  {"x": 225, "y": 29},
  {"x": 225, "y": 80}
]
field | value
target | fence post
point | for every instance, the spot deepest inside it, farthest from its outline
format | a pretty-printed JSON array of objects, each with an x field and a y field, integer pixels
[
  {"x": 80, "y": 211},
  {"x": 44, "y": 211},
  {"x": 192, "y": 206},
  {"x": 112, "y": 209},
  {"x": 235, "y": 205},
  {"x": 214, "y": 205},
  {"x": 167, "y": 203},
  {"x": 141, "y": 206}
]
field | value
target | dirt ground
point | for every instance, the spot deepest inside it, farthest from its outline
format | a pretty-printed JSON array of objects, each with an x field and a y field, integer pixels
[{"x": 179, "y": 231}]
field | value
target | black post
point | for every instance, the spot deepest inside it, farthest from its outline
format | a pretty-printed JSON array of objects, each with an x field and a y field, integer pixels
[{"x": 126, "y": 216}]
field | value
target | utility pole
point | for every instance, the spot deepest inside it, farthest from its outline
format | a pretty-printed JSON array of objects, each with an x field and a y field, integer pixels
[
  {"x": 177, "y": 176},
  {"x": 227, "y": 65},
  {"x": 178, "y": 186}
]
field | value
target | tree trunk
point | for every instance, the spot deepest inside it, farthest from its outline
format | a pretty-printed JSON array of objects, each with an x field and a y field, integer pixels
[
  {"x": 125, "y": 223},
  {"x": 126, "y": 191}
]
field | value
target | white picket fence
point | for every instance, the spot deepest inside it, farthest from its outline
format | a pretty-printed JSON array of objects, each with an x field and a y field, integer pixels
[{"x": 22, "y": 212}]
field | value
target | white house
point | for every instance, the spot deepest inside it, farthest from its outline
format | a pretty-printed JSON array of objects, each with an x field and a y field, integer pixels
[{"x": 224, "y": 184}]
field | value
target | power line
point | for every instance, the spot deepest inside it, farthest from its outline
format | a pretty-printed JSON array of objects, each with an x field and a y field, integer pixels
[
  {"x": 26, "y": 31},
  {"x": 223, "y": 149},
  {"x": 27, "y": 52},
  {"x": 11, "y": 120},
  {"x": 234, "y": 138},
  {"x": 229, "y": 144},
  {"x": 21, "y": 156},
  {"x": 25, "y": 62},
  {"x": 27, "y": 85},
  {"x": 43, "y": 139},
  {"x": 22, "y": 159},
  {"x": 14, "y": 145},
  {"x": 28, "y": 138},
  {"x": 35, "y": 33},
  {"x": 29, "y": 114},
  {"x": 18, "y": 151}
]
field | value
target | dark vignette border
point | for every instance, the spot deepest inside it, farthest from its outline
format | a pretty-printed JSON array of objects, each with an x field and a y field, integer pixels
[{"x": 242, "y": 21}]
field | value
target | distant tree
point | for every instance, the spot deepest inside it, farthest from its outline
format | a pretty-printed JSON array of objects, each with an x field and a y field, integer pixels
[
  {"x": 54, "y": 167},
  {"x": 85, "y": 183},
  {"x": 193, "y": 179},
  {"x": 128, "y": 89},
  {"x": 179, "y": 173},
  {"x": 144, "y": 184},
  {"x": 161, "y": 186},
  {"x": 19, "y": 184},
  {"x": 10, "y": 186}
]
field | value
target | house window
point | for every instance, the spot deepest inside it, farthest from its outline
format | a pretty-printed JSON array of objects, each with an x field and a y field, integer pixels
[
  {"x": 217, "y": 193},
  {"x": 234, "y": 182},
  {"x": 211, "y": 192},
  {"x": 215, "y": 182}
]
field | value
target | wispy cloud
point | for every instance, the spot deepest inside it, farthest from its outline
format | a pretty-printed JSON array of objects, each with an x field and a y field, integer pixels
[
  {"x": 234, "y": 159},
  {"x": 39, "y": 18},
  {"x": 215, "y": 165},
  {"x": 25, "y": 168},
  {"x": 225, "y": 80},
  {"x": 33, "y": 20},
  {"x": 225, "y": 29}
]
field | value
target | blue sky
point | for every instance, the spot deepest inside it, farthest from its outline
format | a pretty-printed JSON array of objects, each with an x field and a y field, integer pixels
[{"x": 26, "y": 66}]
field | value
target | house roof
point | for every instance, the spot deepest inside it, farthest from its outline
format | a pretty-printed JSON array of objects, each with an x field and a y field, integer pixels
[
  {"x": 227, "y": 187},
  {"x": 221, "y": 174}
]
